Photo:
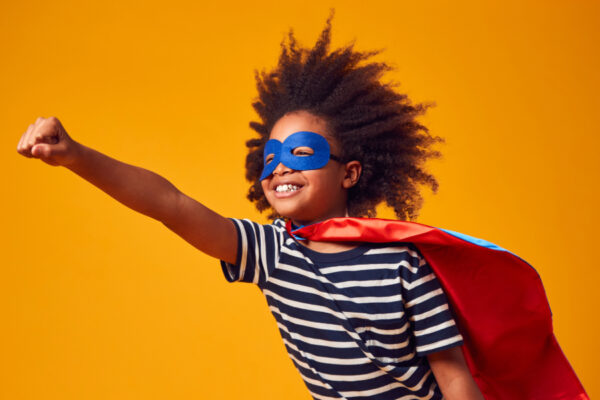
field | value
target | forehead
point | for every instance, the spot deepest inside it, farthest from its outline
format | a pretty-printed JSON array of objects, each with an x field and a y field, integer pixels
[{"x": 299, "y": 121}]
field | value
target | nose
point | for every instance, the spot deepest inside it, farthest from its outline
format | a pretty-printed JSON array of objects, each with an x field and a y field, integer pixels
[{"x": 281, "y": 169}]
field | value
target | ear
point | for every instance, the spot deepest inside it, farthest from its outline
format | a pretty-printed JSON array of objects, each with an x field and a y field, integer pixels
[{"x": 353, "y": 169}]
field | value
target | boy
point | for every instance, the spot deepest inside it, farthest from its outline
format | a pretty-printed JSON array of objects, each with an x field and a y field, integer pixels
[{"x": 358, "y": 320}]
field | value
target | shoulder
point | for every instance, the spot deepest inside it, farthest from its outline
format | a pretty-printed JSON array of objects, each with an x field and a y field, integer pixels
[
  {"x": 245, "y": 224},
  {"x": 254, "y": 233}
]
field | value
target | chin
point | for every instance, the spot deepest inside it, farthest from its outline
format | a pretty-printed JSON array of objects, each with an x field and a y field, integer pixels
[{"x": 287, "y": 215}]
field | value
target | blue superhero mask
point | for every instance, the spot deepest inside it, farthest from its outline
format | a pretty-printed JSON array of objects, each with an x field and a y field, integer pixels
[{"x": 277, "y": 152}]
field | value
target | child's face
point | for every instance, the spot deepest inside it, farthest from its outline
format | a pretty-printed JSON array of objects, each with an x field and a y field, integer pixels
[{"x": 310, "y": 195}]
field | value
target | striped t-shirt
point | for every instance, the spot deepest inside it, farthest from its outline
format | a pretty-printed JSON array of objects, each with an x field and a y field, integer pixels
[{"x": 357, "y": 324}]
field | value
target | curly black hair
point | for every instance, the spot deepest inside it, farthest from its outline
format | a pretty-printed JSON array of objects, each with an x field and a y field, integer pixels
[{"x": 373, "y": 123}]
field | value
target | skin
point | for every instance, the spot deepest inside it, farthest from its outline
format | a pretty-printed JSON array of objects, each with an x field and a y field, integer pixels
[
  {"x": 323, "y": 194},
  {"x": 453, "y": 376}
]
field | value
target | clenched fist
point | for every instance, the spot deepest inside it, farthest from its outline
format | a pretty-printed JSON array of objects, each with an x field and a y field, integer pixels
[{"x": 47, "y": 140}]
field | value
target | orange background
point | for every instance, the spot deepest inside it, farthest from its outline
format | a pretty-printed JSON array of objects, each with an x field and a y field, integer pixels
[{"x": 99, "y": 302}]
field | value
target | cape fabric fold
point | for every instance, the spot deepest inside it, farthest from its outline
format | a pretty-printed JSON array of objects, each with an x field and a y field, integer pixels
[{"x": 498, "y": 301}]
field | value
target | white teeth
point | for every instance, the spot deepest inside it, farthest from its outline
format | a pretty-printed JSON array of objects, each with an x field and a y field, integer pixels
[{"x": 286, "y": 188}]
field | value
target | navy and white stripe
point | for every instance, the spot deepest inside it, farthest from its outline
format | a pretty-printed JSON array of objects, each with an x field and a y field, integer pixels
[{"x": 356, "y": 324}]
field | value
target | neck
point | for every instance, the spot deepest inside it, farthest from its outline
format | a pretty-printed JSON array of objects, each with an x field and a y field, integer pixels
[{"x": 296, "y": 224}]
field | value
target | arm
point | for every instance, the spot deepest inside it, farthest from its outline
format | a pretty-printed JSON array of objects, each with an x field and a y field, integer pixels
[
  {"x": 139, "y": 189},
  {"x": 453, "y": 375}
]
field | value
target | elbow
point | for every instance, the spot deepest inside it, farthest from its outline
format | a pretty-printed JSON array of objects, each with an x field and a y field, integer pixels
[{"x": 171, "y": 209}]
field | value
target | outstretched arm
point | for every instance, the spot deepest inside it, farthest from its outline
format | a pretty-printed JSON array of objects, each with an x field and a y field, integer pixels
[
  {"x": 453, "y": 375},
  {"x": 137, "y": 188}
]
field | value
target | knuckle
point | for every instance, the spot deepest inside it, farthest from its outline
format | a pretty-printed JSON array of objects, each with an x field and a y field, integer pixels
[{"x": 41, "y": 131}]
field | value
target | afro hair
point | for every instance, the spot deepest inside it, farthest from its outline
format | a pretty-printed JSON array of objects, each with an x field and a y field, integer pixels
[{"x": 374, "y": 124}]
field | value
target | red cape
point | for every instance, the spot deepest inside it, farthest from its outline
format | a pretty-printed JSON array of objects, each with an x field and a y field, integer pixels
[{"x": 497, "y": 298}]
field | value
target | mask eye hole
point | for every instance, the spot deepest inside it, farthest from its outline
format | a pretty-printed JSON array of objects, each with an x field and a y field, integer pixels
[
  {"x": 269, "y": 158},
  {"x": 303, "y": 151}
]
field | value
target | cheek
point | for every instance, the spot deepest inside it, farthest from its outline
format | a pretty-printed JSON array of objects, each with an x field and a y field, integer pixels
[
  {"x": 264, "y": 184},
  {"x": 324, "y": 178},
  {"x": 265, "y": 187}
]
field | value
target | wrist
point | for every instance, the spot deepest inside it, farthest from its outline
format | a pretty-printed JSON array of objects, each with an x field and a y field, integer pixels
[{"x": 76, "y": 155}]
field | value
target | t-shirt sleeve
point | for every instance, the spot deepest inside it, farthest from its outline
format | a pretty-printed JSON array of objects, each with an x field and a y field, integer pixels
[
  {"x": 257, "y": 252},
  {"x": 433, "y": 325}
]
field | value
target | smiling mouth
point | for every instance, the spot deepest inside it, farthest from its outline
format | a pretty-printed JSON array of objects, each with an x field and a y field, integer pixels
[{"x": 287, "y": 188}]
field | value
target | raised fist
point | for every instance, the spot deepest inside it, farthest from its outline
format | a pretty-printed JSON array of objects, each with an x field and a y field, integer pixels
[{"x": 47, "y": 140}]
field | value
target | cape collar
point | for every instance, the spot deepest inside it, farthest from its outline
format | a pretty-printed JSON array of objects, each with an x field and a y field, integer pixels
[{"x": 351, "y": 229}]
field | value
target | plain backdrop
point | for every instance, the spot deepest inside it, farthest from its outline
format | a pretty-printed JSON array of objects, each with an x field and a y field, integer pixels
[{"x": 99, "y": 302}]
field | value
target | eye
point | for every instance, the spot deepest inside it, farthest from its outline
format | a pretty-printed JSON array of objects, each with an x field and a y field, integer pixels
[
  {"x": 303, "y": 152},
  {"x": 269, "y": 158}
]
